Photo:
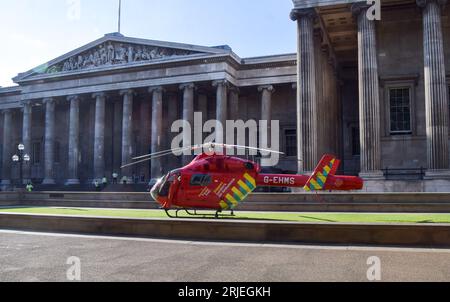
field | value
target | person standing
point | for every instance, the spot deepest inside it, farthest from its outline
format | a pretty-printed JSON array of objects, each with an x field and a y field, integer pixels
[
  {"x": 115, "y": 177},
  {"x": 104, "y": 181},
  {"x": 29, "y": 187}
]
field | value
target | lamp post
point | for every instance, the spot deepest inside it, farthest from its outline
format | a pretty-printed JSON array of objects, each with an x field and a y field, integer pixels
[{"x": 20, "y": 158}]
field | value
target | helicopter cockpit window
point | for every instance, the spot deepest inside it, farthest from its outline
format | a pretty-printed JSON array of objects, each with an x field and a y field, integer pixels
[
  {"x": 165, "y": 188},
  {"x": 201, "y": 180}
]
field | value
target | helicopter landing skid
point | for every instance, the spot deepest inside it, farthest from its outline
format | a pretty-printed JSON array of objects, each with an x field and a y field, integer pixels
[{"x": 193, "y": 213}]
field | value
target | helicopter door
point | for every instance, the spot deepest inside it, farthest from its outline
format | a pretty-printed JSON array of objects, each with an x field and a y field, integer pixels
[{"x": 195, "y": 189}]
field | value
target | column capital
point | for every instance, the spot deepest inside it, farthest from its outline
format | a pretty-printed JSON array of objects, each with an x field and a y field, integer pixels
[
  {"x": 158, "y": 89},
  {"x": 129, "y": 92},
  {"x": 423, "y": 3},
  {"x": 48, "y": 101},
  {"x": 187, "y": 86},
  {"x": 297, "y": 14},
  {"x": 359, "y": 8},
  {"x": 6, "y": 111},
  {"x": 99, "y": 95},
  {"x": 72, "y": 98},
  {"x": 269, "y": 88},
  {"x": 26, "y": 102},
  {"x": 234, "y": 89},
  {"x": 220, "y": 83}
]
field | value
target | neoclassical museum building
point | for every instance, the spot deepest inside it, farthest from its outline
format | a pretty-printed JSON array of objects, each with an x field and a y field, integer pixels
[{"x": 373, "y": 92}]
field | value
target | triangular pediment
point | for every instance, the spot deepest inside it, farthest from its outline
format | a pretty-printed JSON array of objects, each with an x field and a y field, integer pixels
[{"x": 116, "y": 50}]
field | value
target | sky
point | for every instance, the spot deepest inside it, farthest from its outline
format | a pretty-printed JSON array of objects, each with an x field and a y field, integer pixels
[{"x": 34, "y": 32}]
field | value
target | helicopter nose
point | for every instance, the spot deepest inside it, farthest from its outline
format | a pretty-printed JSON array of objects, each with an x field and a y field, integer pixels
[{"x": 154, "y": 192}]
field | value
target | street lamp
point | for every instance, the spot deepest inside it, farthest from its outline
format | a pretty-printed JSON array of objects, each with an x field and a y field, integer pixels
[{"x": 20, "y": 158}]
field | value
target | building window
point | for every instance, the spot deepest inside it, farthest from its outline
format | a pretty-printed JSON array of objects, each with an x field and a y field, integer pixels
[
  {"x": 291, "y": 142},
  {"x": 356, "y": 144},
  {"x": 201, "y": 180},
  {"x": 400, "y": 111},
  {"x": 36, "y": 155}
]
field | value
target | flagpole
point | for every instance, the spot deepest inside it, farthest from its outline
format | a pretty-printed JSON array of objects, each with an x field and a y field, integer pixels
[{"x": 120, "y": 12}]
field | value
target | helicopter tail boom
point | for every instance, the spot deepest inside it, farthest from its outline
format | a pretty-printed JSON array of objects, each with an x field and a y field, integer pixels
[{"x": 323, "y": 178}]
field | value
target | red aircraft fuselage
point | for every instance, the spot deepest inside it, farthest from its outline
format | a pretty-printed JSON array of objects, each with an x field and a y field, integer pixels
[{"x": 221, "y": 182}]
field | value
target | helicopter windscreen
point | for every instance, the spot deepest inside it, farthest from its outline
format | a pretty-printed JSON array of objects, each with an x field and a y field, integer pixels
[
  {"x": 162, "y": 187},
  {"x": 165, "y": 187}
]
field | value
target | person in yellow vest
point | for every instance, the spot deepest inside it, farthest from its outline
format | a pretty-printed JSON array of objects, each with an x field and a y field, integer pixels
[{"x": 29, "y": 187}]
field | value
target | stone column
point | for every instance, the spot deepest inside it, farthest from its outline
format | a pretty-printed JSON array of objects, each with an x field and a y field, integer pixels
[
  {"x": 436, "y": 93},
  {"x": 157, "y": 131},
  {"x": 369, "y": 96},
  {"x": 74, "y": 139},
  {"x": 127, "y": 130},
  {"x": 173, "y": 162},
  {"x": 266, "y": 115},
  {"x": 306, "y": 90},
  {"x": 7, "y": 147},
  {"x": 26, "y": 139},
  {"x": 49, "y": 145},
  {"x": 99, "y": 135},
  {"x": 145, "y": 133},
  {"x": 222, "y": 109},
  {"x": 266, "y": 103},
  {"x": 233, "y": 111},
  {"x": 202, "y": 106},
  {"x": 188, "y": 116}
]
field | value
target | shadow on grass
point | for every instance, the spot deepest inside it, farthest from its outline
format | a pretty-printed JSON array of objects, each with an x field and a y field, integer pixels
[
  {"x": 41, "y": 208},
  {"x": 319, "y": 219},
  {"x": 229, "y": 218},
  {"x": 73, "y": 209}
]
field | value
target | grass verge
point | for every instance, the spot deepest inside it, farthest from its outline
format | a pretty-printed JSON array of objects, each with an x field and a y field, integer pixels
[{"x": 274, "y": 216}]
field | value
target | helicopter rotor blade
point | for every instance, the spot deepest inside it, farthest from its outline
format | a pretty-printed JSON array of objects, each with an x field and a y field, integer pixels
[
  {"x": 161, "y": 152},
  {"x": 254, "y": 148},
  {"x": 195, "y": 147},
  {"x": 213, "y": 145},
  {"x": 146, "y": 160}
]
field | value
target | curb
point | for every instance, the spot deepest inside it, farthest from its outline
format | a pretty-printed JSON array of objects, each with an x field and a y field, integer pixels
[
  {"x": 407, "y": 235},
  {"x": 292, "y": 202}
]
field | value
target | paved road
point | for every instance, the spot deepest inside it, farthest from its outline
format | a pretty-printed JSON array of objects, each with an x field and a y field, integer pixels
[{"x": 43, "y": 257}]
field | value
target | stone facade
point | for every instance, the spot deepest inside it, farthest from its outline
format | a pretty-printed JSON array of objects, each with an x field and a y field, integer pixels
[
  {"x": 393, "y": 77},
  {"x": 84, "y": 115},
  {"x": 375, "y": 93}
]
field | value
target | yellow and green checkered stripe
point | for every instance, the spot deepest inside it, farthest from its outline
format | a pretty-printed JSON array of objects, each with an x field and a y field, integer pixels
[
  {"x": 318, "y": 181},
  {"x": 238, "y": 193}
]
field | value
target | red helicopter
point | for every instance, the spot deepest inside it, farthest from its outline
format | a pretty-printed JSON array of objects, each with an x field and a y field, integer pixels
[{"x": 214, "y": 181}]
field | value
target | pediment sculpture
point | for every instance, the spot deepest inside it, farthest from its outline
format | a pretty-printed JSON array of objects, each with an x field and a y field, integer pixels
[{"x": 115, "y": 53}]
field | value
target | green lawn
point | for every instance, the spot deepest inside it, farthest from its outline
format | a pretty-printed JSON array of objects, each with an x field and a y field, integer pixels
[{"x": 277, "y": 216}]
